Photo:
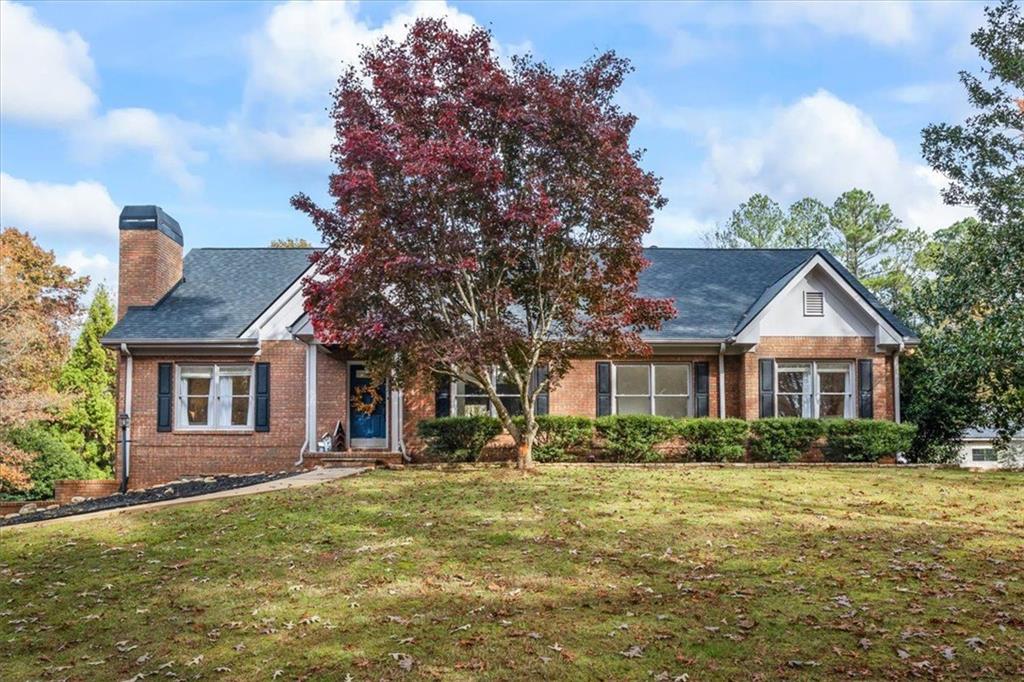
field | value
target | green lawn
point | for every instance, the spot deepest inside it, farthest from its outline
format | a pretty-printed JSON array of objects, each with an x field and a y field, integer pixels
[{"x": 568, "y": 573}]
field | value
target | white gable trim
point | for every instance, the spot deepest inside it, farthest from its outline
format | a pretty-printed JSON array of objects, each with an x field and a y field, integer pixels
[
  {"x": 273, "y": 323},
  {"x": 750, "y": 333}
]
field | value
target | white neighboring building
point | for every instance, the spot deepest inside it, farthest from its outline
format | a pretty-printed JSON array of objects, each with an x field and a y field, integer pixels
[{"x": 977, "y": 450}]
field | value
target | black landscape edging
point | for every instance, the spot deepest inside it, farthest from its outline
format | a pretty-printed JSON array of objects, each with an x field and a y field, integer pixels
[{"x": 169, "y": 491}]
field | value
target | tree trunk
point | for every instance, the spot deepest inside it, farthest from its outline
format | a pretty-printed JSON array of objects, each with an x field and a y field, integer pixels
[{"x": 524, "y": 454}]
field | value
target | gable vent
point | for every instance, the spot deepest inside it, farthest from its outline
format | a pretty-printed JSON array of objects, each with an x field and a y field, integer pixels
[{"x": 814, "y": 304}]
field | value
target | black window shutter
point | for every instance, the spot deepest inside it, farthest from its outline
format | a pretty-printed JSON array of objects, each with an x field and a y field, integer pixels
[
  {"x": 164, "y": 396},
  {"x": 766, "y": 370},
  {"x": 442, "y": 395},
  {"x": 262, "y": 396},
  {"x": 541, "y": 404},
  {"x": 702, "y": 380},
  {"x": 865, "y": 390},
  {"x": 604, "y": 388}
]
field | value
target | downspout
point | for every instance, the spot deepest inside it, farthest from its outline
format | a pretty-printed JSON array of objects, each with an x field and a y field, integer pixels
[
  {"x": 126, "y": 437},
  {"x": 896, "y": 384},
  {"x": 310, "y": 413},
  {"x": 401, "y": 427},
  {"x": 721, "y": 381}
]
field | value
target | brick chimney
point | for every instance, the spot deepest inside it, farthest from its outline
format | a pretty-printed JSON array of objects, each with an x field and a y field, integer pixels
[{"x": 150, "y": 259}]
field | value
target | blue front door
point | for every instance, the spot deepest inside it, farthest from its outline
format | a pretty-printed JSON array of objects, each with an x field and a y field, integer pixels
[{"x": 366, "y": 430}]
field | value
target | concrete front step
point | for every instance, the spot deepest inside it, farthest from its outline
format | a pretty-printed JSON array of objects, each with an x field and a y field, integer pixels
[{"x": 354, "y": 458}]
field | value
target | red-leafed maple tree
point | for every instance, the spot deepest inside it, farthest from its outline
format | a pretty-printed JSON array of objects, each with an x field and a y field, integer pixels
[{"x": 485, "y": 218}]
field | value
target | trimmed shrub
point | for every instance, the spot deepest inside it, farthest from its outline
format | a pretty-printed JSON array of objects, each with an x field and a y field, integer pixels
[
  {"x": 632, "y": 437},
  {"x": 715, "y": 440},
  {"x": 458, "y": 439},
  {"x": 866, "y": 440},
  {"x": 783, "y": 439},
  {"x": 53, "y": 461},
  {"x": 558, "y": 438}
]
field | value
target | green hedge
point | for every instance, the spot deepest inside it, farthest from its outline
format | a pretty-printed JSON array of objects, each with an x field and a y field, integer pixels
[
  {"x": 866, "y": 440},
  {"x": 54, "y": 460},
  {"x": 561, "y": 439},
  {"x": 458, "y": 439},
  {"x": 632, "y": 437},
  {"x": 714, "y": 440},
  {"x": 783, "y": 439},
  {"x": 636, "y": 437}
]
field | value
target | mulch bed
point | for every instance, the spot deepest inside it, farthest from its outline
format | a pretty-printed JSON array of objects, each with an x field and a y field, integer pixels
[{"x": 170, "y": 491}]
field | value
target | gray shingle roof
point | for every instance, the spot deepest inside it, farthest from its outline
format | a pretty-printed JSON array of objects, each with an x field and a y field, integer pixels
[
  {"x": 220, "y": 294},
  {"x": 716, "y": 291}
]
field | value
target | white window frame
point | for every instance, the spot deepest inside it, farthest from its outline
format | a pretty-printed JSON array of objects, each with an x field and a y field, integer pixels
[
  {"x": 213, "y": 397},
  {"x": 987, "y": 449},
  {"x": 814, "y": 395},
  {"x": 652, "y": 391},
  {"x": 453, "y": 402}
]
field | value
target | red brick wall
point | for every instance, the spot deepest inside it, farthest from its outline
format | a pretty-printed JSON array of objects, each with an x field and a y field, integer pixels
[
  {"x": 160, "y": 457},
  {"x": 818, "y": 348},
  {"x": 64, "y": 490},
  {"x": 576, "y": 393},
  {"x": 150, "y": 263},
  {"x": 331, "y": 393}
]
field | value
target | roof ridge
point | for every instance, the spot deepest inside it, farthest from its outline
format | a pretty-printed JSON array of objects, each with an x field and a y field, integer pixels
[
  {"x": 256, "y": 248},
  {"x": 729, "y": 248}
]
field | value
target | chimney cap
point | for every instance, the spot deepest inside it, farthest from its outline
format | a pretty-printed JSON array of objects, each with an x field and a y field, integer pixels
[{"x": 150, "y": 217}]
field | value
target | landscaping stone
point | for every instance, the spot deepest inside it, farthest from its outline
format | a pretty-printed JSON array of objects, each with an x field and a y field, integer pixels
[{"x": 185, "y": 488}]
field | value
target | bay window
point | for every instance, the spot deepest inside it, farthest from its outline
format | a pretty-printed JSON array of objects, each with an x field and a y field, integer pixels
[
  {"x": 652, "y": 388},
  {"x": 215, "y": 397},
  {"x": 814, "y": 389}
]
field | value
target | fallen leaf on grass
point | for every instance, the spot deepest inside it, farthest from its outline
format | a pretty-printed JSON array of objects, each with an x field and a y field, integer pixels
[
  {"x": 405, "y": 661},
  {"x": 634, "y": 651}
]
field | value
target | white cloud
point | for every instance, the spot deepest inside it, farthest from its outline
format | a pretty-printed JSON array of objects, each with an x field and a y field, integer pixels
[
  {"x": 304, "y": 142},
  {"x": 77, "y": 210},
  {"x": 886, "y": 23},
  {"x": 168, "y": 139},
  {"x": 295, "y": 60},
  {"x": 46, "y": 73},
  {"x": 301, "y": 48},
  {"x": 98, "y": 267},
  {"x": 821, "y": 146}
]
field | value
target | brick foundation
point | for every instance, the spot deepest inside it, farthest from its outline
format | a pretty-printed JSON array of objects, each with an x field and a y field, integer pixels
[{"x": 64, "y": 491}]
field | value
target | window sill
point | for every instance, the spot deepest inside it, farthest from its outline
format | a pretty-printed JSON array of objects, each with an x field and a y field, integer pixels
[{"x": 212, "y": 432}]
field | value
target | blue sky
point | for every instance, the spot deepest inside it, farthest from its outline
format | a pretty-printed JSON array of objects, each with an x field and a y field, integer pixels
[{"x": 216, "y": 111}]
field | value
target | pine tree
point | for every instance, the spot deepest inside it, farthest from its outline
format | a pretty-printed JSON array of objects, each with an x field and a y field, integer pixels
[{"x": 89, "y": 380}]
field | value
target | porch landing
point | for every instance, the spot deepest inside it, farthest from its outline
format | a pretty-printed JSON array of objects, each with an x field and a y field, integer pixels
[{"x": 352, "y": 458}]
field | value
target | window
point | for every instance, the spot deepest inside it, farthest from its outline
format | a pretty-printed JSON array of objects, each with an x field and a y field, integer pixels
[
  {"x": 814, "y": 304},
  {"x": 471, "y": 400},
  {"x": 814, "y": 389},
  {"x": 215, "y": 397},
  {"x": 670, "y": 396},
  {"x": 983, "y": 455}
]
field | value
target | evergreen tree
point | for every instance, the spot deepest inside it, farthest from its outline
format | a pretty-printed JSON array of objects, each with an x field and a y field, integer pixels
[{"x": 89, "y": 380}]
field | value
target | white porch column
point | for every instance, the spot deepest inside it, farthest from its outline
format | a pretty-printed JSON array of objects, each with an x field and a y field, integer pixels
[{"x": 311, "y": 434}]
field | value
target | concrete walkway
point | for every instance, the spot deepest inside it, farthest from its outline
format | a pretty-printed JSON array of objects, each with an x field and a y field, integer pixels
[{"x": 308, "y": 478}]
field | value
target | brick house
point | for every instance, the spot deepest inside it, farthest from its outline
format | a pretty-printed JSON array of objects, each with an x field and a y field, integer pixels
[{"x": 220, "y": 371}]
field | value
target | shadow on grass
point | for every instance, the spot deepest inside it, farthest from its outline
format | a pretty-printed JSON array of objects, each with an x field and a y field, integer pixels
[{"x": 492, "y": 575}]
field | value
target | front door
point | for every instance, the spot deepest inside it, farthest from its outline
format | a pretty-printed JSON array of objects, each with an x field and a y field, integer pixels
[{"x": 367, "y": 428}]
